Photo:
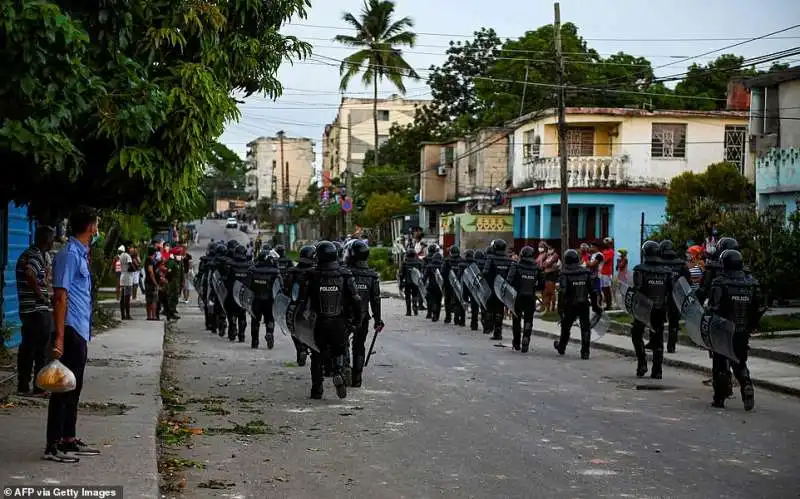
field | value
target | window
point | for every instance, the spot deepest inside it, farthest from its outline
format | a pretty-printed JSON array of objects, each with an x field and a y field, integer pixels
[
  {"x": 580, "y": 141},
  {"x": 383, "y": 115},
  {"x": 532, "y": 145},
  {"x": 382, "y": 139},
  {"x": 734, "y": 144},
  {"x": 668, "y": 140},
  {"x": 447, "y": 156}
]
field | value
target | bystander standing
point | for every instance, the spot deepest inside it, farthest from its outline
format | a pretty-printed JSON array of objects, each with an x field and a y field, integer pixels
[{"x": 125, "y": 283}]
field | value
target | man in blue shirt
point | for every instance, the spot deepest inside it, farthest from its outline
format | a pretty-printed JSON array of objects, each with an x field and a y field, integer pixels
[{"x": 72, "y": 311}]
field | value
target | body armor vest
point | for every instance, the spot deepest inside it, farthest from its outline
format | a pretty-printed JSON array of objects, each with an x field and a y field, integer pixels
[
  {"x": 331, "y": 289},
  {"x": 365, "y": 279},
  {"x": 408, "y": 265},
  {"x": 528, "y": 274},
  {"x": 738, "y": 291},
  {"x": 498, "y": 265},
  {"x": 654, "y": 283},
  {"x": 430, "y": 274},
  {"x": 576, "y": 278},
  {"x": 454, "y": 265},
  {"x": 675, "y": 266},
  {"x": 262, "y": 278}
]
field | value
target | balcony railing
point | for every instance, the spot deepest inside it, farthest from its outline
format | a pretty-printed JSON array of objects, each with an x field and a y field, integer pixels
[{"x": 582, "y": 172}]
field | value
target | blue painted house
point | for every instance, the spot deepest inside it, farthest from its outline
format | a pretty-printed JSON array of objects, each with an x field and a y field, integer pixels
[
  {"x": 16, "y": 235},
  {"x": 620, "y": 162},
  {"x": 775, "y": 134}
]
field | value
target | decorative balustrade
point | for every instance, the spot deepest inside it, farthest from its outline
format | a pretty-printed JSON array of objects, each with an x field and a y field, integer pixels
[{"x": 582, "y": 172}]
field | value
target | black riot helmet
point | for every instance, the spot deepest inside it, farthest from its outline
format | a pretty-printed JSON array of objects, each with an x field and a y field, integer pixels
[
  {"x": 339, "y": 249},
  {"x": 240, "y": 252},
  {"x": 527, "y": 252},
  {"x": 410, "y": 253},
  {"x": 455, "y": 251},
  {"x": 232, "y": 244},
  {"x": 650, "y": 251},
  {"x": 480, "y": 255},
  {"x": 263, "y": 256},
  {"x": 499, "y": 247},
  {"x": 667, "y": 249},
  {"x": 280, "y": 250},
  {"x": 469, "y": 255},
  {"x": 266, "y": 246},
  {"x": 306, "y": 255},
  {"x": 326, "y": 252},
  {"x": 571, "y": 257},
  {"x": 437, "y": 257},
  {"x": 727, "y": 243},
  {"x": 432, "y": 250},
  {"x": 359, "y": 252},
  {"x": 731, "y": 260}
]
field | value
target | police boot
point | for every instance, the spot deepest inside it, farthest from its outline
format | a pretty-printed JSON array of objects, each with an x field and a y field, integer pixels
[
  {"x": 254, "y": 334},
  {"x": 242, "y": 329},
  {"x": 232, "y": 329},
  {"x": 358, "y": 368},
  {"x": 473, "y": 322},
  {"x": 270, "y": 336},
  {"x": 408, "y": 309},
  {"x": 448, "y": 316},
  {"x": 498, "y": 327},
  {"x": 317, "y": 376},
  {"x": 586, "y": 338},
  {"x": 338, "y": 377},
  {"x": 516, "y": 332},
  {"x": 641, "y": 359},
  {"x": 527, "y": 332},
  {"x": 658, "y": 358},
  {"x": 672, "y": 340},
  {"x": 222, "y": 325},
  {"x": 748, "y": 392},
  {"x": 436, "y": 312},
  {"x": 302, "y": 352}
]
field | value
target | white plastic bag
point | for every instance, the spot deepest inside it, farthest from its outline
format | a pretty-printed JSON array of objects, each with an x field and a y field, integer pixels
[{"x": 55, "y": 377}]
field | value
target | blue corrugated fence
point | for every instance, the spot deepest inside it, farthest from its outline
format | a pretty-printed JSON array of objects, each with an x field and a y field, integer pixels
[{"x": 19, "y": 230}]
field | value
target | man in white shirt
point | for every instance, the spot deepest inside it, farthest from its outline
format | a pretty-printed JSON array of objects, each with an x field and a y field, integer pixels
[{"x": 126, "y": 281}]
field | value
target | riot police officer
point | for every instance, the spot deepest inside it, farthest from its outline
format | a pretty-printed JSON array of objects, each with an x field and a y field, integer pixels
[
  {"x": 284, "y": 262},
  {"x": 574, "y": 301},
  {"x": 426, "y": 260},
  {"x": 369, "y": 292},
  {"x": 453, "y": 309},
  {"x": 333, "y": 298},
  {"x": 409, "y": 288},
  {"x": 219, "y": 265},
  {"x": 480, "y": 317},
  {"x": 735, "y": 296},
  {"x": 497, "y": 265},
  {"x": 526, "y": 277},
  {"x": 714, "y": 265},
  {"x": 295, "y": 278},
  {"x": 238, "y": 270},
  {"x": 203, "y": 279},
  {"x": 678, "y": 268},
  {"x": 469, "y": 259},
  {"x": 262, "y": 279},
  {"x": 433, "y": 288},
  {"x": 654, "y": 281}
]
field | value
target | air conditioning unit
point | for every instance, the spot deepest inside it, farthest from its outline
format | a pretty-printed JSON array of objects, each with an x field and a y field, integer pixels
[{"x": 441, "y": 171}]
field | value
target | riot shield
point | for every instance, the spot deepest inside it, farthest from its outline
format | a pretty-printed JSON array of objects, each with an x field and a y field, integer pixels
[
  {"x": 439, "y": 280},
  {"x": 705, "y": 329},
  {"x": 280, "y": 307},
  {"x": 219, "y": 290},
  {"x": 303, "y": 320},
  {"x": 416, "y": 278},
  {"x": 636, "y": 304},
  {"x": 243, "y": 296},
  {"x": 476, "y": 284},
  {"x": 506, "y": 293},
  {"x": 458, "y": 289}
]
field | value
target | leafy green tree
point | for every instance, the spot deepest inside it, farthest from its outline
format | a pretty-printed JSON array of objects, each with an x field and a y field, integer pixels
[
  {"x": 119, "y": 105},
  {"x": 711, "y": 80},
  {"x": 382, "y": 207},
  {"x": 378, "y": 57}
]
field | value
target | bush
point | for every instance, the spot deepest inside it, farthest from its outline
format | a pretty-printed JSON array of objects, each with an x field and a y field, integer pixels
[{"x": 382, "y": 260}]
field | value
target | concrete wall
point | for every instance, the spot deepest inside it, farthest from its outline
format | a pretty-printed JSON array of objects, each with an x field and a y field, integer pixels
[
  {"x": 625, "y": 211},
  {"x": 631, "y": 136},
  {"x": 789, "y": 104}
]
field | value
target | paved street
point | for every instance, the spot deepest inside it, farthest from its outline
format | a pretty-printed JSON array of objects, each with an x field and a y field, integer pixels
[{"x": 448, "y": 413}]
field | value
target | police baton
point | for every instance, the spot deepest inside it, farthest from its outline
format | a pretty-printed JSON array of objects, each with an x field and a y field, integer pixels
[{"x": 372, "y": 345}]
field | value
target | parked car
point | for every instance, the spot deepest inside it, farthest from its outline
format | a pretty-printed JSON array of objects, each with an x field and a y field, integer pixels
[{"x": 231, "y": 223}]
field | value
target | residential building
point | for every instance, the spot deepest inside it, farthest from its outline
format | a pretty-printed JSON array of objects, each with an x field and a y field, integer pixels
[
  {"x": 465, "y": 176},
  {"x": 620, "y": 163},
  {"x": 348, "y": 138},
  {"x": 267, "y": 180},
  {"x": 775, "y": 140}
]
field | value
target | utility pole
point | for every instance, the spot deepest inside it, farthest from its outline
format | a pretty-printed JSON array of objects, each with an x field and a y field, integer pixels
[
  {"x": 562, "y": 131},
  {"x": 285, "y": 189},
  {"x": 524, "y": 91}
]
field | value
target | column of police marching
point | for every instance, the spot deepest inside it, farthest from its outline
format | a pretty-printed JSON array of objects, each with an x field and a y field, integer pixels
[
  {"x": 324, "y": 302},
  {"x": 330, "y": 295},
  {"x": 719, "y": 315}
]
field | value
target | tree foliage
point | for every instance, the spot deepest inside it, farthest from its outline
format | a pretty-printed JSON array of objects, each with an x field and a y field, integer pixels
[
  {"x": 118, "y": 104},
  {"x": 711, "y": 80},
  {"x": 382, "y": 207}
]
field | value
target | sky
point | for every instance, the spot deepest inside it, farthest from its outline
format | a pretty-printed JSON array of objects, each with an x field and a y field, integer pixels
[{"x": 664, "y": 32}]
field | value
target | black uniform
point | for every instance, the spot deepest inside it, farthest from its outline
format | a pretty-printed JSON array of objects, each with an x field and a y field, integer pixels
[
  {"x": 434, "y": 291},
  {"x": 219, "y": 264},
  {"x": 262, "y": 278},
  {"x": 333, "y": 298},
  {"x": 654, "y": 281},
  {"x": 407, "y": 286},
  {"x": 369, "y": 292},
  {"x": 735, "y": 296},
  {"x": 526, "y": 277},
  {"x": 295, "y": 278},
  {"x": 497, "y": 264},
  {"x": 238, "y": 270},
  {"x": 479, "y": 314},
  {"x": 678, "y": 268},
  {"x": 204, "y": 277},
  {"x": 469, "y": 259},
  {"x": 426, "y": 260},
  {"x": 453, "y": 309},
  {"x": 574, "y": 301}
]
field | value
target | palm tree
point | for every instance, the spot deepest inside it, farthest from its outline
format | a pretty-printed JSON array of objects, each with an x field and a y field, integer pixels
[{"x": 377, "y": 38}]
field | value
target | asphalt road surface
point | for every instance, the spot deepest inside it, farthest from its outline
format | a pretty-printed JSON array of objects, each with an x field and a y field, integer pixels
[{"x": 445, "y": 412}]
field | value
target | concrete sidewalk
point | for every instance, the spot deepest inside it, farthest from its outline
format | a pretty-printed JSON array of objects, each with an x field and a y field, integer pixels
[
  {"x": 778, "y": 373},
  {"x": 120, "y": 405}
]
